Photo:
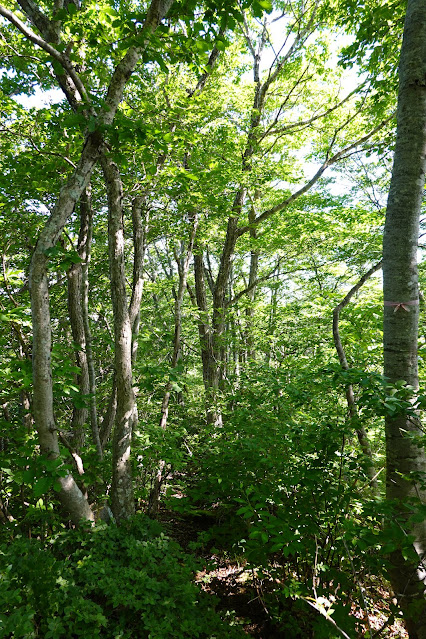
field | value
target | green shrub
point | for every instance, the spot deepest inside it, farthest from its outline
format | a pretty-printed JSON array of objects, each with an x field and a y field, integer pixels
[
  {"x": 288, "y": 492},
  {"x": 116, "y": 582}
]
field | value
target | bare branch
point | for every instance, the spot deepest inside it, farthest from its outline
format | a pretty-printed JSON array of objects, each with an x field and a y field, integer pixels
[{"x": 304, "y": 123}]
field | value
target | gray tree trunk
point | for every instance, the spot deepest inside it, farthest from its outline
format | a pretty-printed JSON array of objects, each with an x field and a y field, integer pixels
[
  {"x": 76, "y": 316},
  {"x": 85, "y": 249},
  {"x": 400, "y": 285},
  {"x": 254, "y": 269},
  {"x": 70, "y": 495},
  {"x": 140, "y": 231},
  {"x": 122, "y": 496}
]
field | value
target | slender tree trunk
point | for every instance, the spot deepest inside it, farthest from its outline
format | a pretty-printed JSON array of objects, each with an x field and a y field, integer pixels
[
  {"x": 272, "y": 319},
  {"x": 400, "y": 285},
  {"x": 254, "y": 269},
  {"x": 108, "y": 419},
  {"x": 76, "y": 316},
  {"x": 209, "y": 357},
  {"x": 212, "y": 338},
  {"x": 183, "y": 276},
  {"x": 122, "y": 496},
  {"x": 140, "y": 230},
  {"x": 86, "y": 231},
  {"x": 350, "y": 397}
]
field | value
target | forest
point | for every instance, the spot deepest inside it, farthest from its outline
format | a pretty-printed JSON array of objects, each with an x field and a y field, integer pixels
[{"x": 211, "y": 319}]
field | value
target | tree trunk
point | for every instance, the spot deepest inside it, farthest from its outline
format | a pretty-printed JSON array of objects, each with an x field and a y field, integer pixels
[
  {"x": 85, "y": 248},
  {"x": 122, "y": 496},
  {"x": 154, "y": 499},
  {"x": 108, "y": 418},
  {"x": 254, "y": 269},
  {"x": 209, "y": 357},
  {"x": 76, "y": 316},
  {"x": 400, "y": 286},
  {"x": 212, "y": 337},
  {"x": 140, "y": 231},
  {"x": 70, "y": 495},
  {"x": 350, "y": 397}
]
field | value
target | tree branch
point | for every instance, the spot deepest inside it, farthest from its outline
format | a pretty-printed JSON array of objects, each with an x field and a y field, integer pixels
[
  {"x": 350, "y": 398},
  {"x": 337, "y": 310},
  {"x": 328, "y": 162},
  {"x": 54, "y": 53}
]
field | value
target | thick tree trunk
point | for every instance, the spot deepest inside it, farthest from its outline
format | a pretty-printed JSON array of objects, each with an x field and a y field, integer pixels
[
  {"x": 122, "y": 496},
  {"x": 70, "y": 495},
  {"x": 400, "y": 285}
]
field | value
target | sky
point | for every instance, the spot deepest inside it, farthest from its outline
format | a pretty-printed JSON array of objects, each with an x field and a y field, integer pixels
[{"x": 277, "y": 29}]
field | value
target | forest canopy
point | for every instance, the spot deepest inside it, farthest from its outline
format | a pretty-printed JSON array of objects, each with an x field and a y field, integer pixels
[{"x": 197, "y": 200}]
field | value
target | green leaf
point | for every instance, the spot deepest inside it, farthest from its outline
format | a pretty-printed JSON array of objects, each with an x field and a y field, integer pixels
[
  {"x": 92, "y": 124},
  {"x": 41, "y": 486},
  {"x": 265, "y": 4},
  {"x": 61, "y": 14},
  {"x": 202, "y": 45}
]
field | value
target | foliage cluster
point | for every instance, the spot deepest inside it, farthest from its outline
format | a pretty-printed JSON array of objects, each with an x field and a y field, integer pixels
[
  {"x": 257, "y": 437},
  {"x": 108, "y": 582},
  {"x": 286, "y": 493}
]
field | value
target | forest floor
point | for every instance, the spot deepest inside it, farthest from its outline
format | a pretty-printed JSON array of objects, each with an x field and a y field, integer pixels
[{"x": 240, "y": 593}]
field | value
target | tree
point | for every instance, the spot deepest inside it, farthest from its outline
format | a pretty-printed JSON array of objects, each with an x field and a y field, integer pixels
[
  {"x": 273, "y": 120},
  {"x": 199, "y": 238},
  {"x": 406, "y": 462}
]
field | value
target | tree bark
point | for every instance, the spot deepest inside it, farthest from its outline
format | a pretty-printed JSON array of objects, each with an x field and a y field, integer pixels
[
  {"x": 76, "y": 316},
  {"x": 70, "y": 495},
  {"x": 86, "y": 231},
  {"x": 254, "y": 269},
  {"x": 400, "y": 285},
  {"x": 122, "y": 495},
  {"x": 209, "y": 357},
  {"x": 140, "y": 231}
]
